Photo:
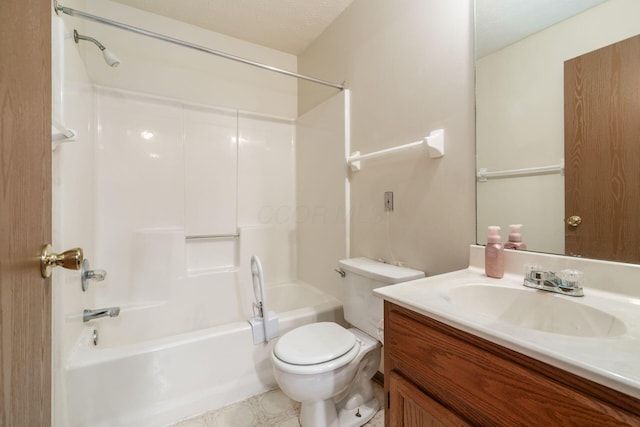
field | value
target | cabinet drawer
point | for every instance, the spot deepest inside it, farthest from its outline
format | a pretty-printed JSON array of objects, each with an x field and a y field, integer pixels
[{"x": 473, "y": 378}]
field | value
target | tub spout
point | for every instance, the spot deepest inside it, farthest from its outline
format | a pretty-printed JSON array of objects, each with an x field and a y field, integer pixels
[{"x": 100, "y": 312}]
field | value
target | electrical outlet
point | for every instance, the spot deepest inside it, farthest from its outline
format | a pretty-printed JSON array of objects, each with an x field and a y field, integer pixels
[{"x": 388, "y": 201}]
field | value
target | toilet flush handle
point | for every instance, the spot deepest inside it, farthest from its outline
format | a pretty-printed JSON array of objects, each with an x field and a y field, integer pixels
[{"x": 340, "y": 271}]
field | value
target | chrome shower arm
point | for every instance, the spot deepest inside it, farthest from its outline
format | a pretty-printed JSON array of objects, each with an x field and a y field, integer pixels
[{"x": 77, "y": 37}]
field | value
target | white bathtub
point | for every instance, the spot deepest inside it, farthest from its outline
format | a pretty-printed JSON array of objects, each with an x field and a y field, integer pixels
[{"x": 137, "y": 376}]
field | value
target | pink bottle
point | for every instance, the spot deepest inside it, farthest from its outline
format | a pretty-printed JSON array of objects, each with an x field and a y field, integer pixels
[
  {"x": 494, "y": 254},
  {"x": 515, "y": 238}
]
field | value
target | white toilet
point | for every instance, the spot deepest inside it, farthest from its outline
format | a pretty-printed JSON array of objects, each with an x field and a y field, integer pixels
[{"x": 329, "y": 368}]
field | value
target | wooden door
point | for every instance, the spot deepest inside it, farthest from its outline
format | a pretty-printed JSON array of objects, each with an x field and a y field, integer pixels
[
  {"x": 602, "y": 152},
  {"x": 25, "y": 212}
]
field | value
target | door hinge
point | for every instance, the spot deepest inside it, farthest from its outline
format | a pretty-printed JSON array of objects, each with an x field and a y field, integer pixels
[{"x": 388, "y": 400}]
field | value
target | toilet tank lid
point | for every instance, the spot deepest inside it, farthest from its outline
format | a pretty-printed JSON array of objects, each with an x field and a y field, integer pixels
[{"x": 385, "y": 273}]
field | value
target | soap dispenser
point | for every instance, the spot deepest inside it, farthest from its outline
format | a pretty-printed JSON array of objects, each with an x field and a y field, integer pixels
[
  {"x": 515, "y": 238},
  {"x": 494, "y": 254}
]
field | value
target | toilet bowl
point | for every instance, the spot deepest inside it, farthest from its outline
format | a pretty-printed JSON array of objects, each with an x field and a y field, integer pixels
[
  {"x": 327, "y": 367},
  {"x": 329, "y": 373}
]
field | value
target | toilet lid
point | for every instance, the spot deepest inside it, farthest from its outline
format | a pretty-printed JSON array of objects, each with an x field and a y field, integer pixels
[{"x": 314, "y": 343}]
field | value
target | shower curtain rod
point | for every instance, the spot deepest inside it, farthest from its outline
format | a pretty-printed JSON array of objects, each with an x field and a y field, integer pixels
[{"x": 73, "y": 12}]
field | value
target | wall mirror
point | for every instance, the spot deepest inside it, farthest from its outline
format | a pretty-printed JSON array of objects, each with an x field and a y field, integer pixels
[{"x": 523, "y": 164}]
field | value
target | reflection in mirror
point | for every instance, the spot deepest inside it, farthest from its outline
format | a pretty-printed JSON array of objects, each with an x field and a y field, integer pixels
[{"x": 521, "y": 112}]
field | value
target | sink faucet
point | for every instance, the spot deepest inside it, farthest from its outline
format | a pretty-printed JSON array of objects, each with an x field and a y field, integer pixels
[
  {"x": 566, "y": 282},
  {"x": 100, "y": 312}
]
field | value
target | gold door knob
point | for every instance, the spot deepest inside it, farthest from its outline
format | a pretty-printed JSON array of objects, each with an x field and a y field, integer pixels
[
  {"x": 574, "y": 221},
  {"x": 71, "y": 259}
]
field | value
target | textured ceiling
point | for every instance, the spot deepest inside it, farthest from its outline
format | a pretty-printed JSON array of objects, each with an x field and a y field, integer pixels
[
  {"x": 291, "y": 25},
  {"x": 286, "y": 25},
  {"x": 500, "y": 23}
]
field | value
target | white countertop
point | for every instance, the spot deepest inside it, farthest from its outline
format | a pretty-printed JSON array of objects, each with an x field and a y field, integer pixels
[{"x": 610, "y": 361}]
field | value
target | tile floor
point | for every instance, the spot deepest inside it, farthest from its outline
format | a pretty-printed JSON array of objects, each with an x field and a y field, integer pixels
[{"x": 270, "y": 409}]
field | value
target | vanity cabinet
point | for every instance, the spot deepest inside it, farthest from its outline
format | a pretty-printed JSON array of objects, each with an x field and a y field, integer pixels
[{"x": 437, "y": 375}]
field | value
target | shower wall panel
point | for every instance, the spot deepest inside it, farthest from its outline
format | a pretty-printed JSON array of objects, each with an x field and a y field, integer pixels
[
  {"x": 266, "y": 171},
  {"x": 211, "y": 159},
  {"x": 322, "y": 193},
  {"x": 139, "y": 189},
  {"x": 166, "y": 170}
]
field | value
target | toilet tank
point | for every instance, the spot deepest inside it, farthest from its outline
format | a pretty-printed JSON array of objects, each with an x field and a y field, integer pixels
[{"x": 362, "y": 275}]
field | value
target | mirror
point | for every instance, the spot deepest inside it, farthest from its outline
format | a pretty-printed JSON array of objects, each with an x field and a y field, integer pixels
[{"x": 521, "y": 48}]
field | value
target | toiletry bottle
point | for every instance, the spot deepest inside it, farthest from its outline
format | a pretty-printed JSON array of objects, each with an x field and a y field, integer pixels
[
  {"x": 515, "y": 238},
  {"x": 494, "y": 254}
]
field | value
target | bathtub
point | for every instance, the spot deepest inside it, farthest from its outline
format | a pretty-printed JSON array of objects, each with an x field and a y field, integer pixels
[{"x": 137, "y": 376}]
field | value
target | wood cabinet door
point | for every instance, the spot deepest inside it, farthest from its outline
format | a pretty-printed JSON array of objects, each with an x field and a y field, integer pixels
[
  {"x": 410, "y": 407},
  {"x": 602, "y": 152}
]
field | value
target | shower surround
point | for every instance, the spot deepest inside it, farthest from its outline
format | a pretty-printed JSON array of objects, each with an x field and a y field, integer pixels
[
  {"x": 172, "y": 196},
  {"x": 184, "y": 195}
]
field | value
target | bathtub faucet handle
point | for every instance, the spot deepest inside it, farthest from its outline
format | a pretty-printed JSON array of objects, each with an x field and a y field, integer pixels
[
  {"x": 340, "y": 271},
  {"x": 87, "y": 274}
]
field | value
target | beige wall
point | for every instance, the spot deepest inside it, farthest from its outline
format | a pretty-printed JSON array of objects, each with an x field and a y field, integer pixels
[
  {"x": 409, "y": 66},
  {"x": 520, "y": 120}
]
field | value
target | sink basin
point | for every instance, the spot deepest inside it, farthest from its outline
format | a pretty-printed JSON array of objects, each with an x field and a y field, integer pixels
[{"x": 539, "y": 310}]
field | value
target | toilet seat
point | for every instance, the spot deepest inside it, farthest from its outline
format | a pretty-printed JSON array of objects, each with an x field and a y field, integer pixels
[
  {"x": 315, "y": 348},
  {"x": 314, "y": 343}
]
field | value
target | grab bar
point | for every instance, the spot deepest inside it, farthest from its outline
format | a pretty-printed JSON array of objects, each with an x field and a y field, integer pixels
[
  {"x": 264, "y": 326},
  {"x": 212, "y": 236},
  {"x": 258, "y": 282}
]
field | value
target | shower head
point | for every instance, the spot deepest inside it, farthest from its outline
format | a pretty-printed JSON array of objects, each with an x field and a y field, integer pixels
[{"x": 109, "y": 57}]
